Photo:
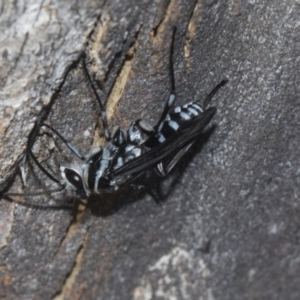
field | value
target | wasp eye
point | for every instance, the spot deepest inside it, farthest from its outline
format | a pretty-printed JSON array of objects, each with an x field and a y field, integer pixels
[{"x": 73, "y": 178}]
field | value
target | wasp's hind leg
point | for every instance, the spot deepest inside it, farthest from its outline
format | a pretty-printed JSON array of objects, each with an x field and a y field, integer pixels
[
  {"x": 160, "y": 168},
  {"x": 214, "y": 91},
  {"x": 172, "y": 96},
  {"x": 163, "y": 170}
]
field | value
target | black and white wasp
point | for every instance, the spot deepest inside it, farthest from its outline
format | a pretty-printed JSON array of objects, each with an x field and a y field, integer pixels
[{"x": 127, "y": 155}]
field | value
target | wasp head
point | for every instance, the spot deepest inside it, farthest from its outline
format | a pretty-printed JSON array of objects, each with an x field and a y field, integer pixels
[{"x": 72, "y": 178}]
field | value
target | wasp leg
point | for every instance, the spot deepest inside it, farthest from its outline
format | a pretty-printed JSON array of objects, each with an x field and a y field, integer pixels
[
  {"x": 102, "y": 109},
  {"x": 162, "y": 170},
  {"x": 172, "y": 95},
  {"x": 213, "y": 92}
]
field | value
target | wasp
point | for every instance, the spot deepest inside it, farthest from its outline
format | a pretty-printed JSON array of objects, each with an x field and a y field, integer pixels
[{"x": 128, "y": 155}]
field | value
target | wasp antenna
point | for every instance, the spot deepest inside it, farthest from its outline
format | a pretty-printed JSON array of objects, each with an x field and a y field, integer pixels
[
  {"x": 102, "y": 109},
  {"x": 7, "y": 197},
  {"x": 35, "y": 193},
  {"x": 30, "y": 143}
]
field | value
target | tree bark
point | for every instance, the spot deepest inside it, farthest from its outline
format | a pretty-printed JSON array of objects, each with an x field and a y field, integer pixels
[{"x": 228, "y": 225}]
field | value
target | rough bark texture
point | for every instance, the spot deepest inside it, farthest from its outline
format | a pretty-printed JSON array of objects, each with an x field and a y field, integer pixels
[{"x": 228, "y": 227}]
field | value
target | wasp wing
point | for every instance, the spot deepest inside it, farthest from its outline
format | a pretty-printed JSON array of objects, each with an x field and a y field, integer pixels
[{"x": 185, "y": 134}]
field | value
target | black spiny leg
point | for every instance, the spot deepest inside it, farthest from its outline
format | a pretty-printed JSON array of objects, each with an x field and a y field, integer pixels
[
  {"x": 102, "y": 109},
  {"x": 172, "y": 95},
  {"x": 213, "y": 92},
  {"x": 162, "y": 170}
]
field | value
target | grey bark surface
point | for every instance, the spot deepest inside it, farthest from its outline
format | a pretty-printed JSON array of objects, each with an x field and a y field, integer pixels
[{"x": 228, "y": 226}]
